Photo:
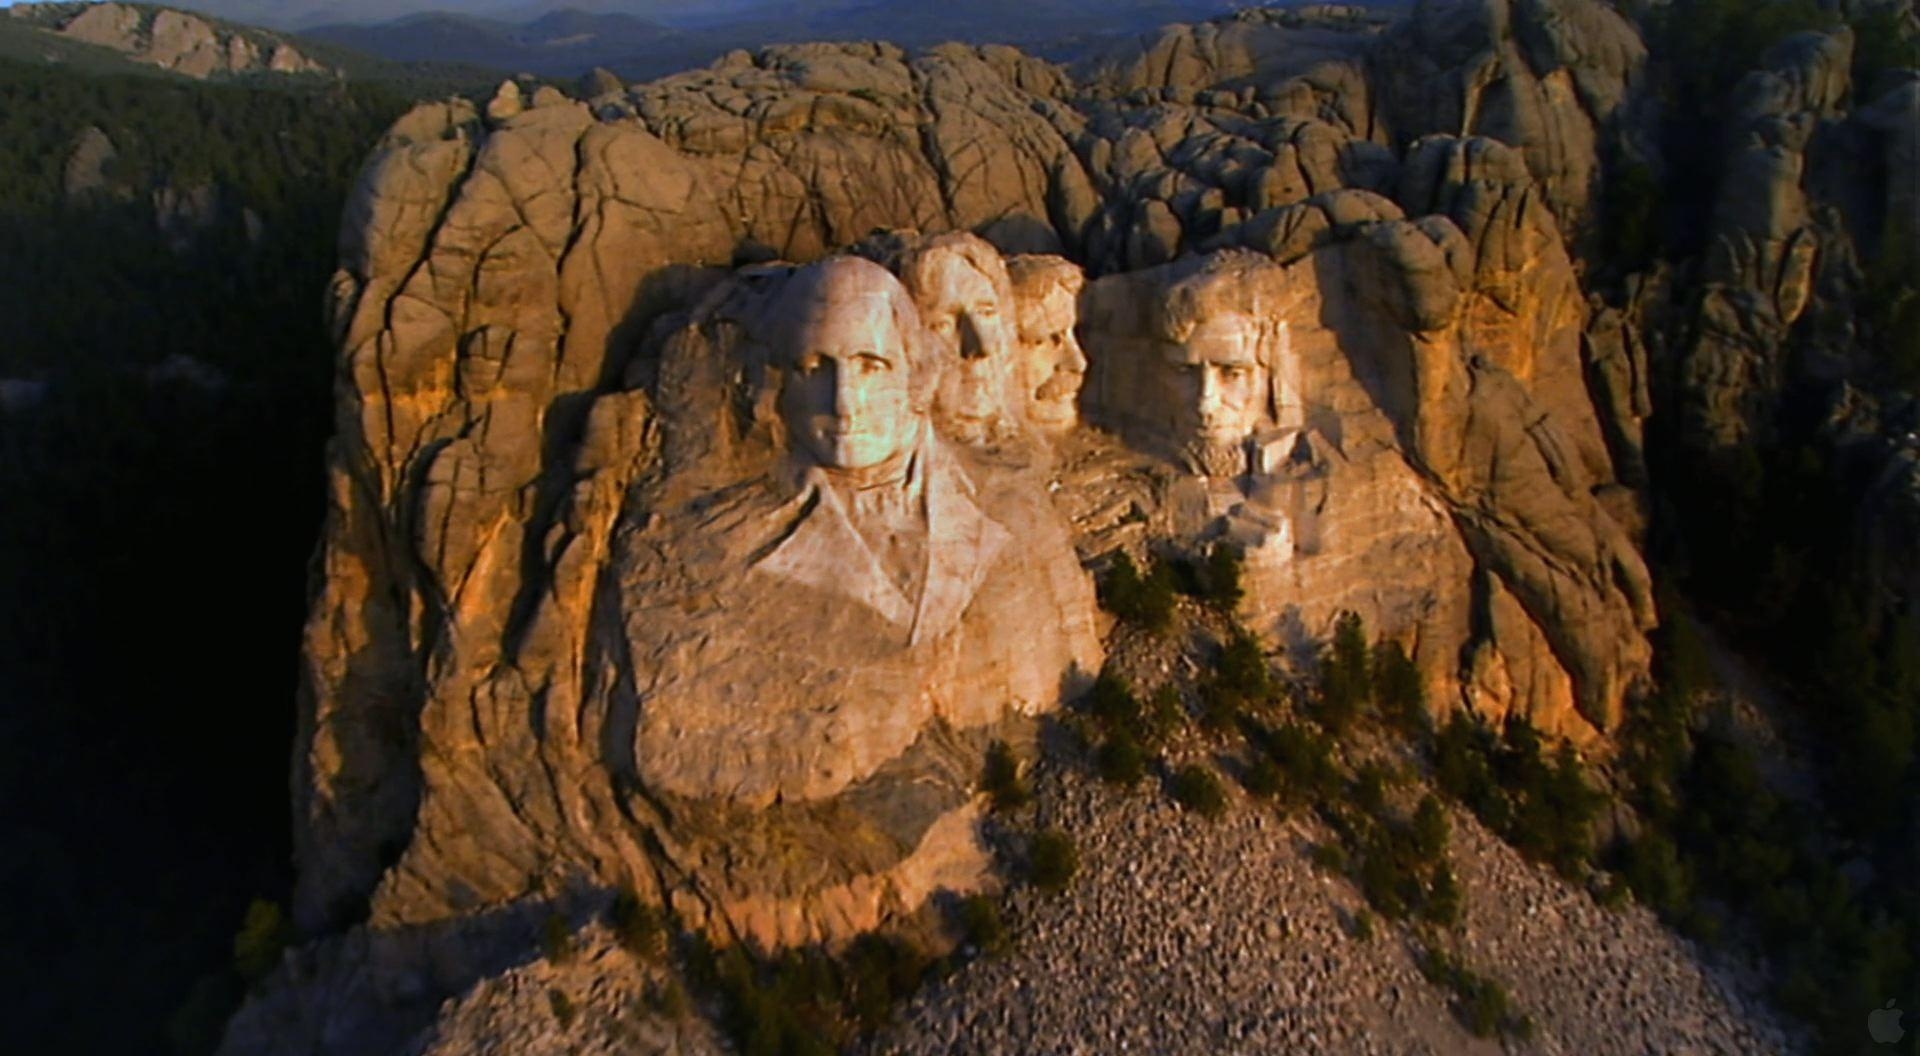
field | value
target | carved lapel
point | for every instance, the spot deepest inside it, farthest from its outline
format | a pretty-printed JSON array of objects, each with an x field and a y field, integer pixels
[
  {"x": 962, "y": 543},
  {"x": 826, "y": 553}
]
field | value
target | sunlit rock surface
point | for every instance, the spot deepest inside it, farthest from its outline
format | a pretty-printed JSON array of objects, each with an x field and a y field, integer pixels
[{"x": 602, "y": 604}]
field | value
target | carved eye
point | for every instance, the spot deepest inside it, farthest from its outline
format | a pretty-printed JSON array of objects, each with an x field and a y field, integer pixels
[
  {"x": 1236, "y": 373},
  {"x": 986, "y": 309},
  {"x": 871, "y": 363},
  {"x": 811, "y": 364}
]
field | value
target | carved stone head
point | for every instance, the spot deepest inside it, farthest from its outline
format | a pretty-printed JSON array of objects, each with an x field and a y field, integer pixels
[
  {"x": 1216, "y": 342},
  {"x": 965, "y": 298},
  {"x": 1050, "y": 367},
  {"x": 847, "y": 342}
]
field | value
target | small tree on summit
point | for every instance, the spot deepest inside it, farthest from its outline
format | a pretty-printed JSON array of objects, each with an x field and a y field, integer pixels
[
  {"x": 1157, "y": 598},
  {"x": 1120, "y": 759},
  {"x": 1430, "y": 829},
  {"x": 1112, "y": 701},
  {"x": 262, "y": 939},
  {"x": 1243, "y": 668},
  {"x": 1052, "y": 860},
  {"x": 1197, "y": 789},
  {"x": 1397, "y": 691}
]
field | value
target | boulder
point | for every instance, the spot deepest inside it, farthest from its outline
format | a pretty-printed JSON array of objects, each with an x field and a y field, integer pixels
[{"x": 89, "y": 163}]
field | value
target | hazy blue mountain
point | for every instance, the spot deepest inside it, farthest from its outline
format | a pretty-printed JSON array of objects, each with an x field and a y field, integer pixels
[
  {"x": 573, "y": 39},
  {"x": 303, "y": 14},
  {"x": 560, "y": 43}
]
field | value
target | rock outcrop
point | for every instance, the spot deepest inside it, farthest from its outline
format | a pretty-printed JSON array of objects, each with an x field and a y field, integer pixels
[
  {"x": 173, "y": 40},
  {"x": 1268, "y": 56},
  {"x": 1810, "y": 190},
  {"x": 1555, "y": 80},
  {"x": 1759, "y": 272},
  {"x": 1798, "y": 333},
  {"x": 90, "y": 163},
  {"x": 1323, "y": 324},
  {"x": 1436, "y": 433}
]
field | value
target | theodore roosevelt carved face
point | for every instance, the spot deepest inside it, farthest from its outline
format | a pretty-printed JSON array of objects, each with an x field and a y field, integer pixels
[
  {"x": 1051, "y": 365},
  {"x": 849, "y": 398}
]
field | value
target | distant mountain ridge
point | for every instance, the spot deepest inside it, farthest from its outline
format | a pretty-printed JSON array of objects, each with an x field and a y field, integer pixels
[
  {"x": 643, "y": 40},
  {"x": 557, "y": 43},
  {"x": 305, "y": 14},
  {"x": 638, "y": 39}
]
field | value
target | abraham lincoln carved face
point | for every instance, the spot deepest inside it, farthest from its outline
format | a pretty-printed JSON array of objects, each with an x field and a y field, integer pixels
[
  {"x": 1219, "y": 381},
  {"x": 1217, "y": 339}
]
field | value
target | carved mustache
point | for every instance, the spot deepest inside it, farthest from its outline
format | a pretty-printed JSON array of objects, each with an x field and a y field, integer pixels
[{"x": 1063, "y": 385}]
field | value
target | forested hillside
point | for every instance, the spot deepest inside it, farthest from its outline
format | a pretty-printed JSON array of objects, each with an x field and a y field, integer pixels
[
  {"x": 1795, "y": 538},
  {"x": 1782, "y": 460},
  {"x": 162, "y": 415}
]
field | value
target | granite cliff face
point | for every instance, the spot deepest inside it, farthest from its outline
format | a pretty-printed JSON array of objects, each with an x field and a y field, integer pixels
[
  {"x": 1820, "y": 178},
  {"x": 1334, "y": 316},
  {"x": 501, "y": 272},
  {"x": 1793, "y": 334}
]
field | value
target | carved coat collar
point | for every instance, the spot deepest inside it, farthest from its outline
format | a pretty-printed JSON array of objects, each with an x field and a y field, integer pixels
[{"x": 825, "y": 551}]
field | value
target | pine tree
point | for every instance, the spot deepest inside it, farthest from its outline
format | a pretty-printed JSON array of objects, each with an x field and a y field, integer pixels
[
  {"x": 1346, "y": 678},
  {"x": 1223, "y": 576}
]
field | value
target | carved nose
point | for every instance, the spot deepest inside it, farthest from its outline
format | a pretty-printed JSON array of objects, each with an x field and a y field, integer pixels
[
  {"x": 1073, "y": 358},
  {"x": 1209, "y": 393},
  {"x": 971, "y": 347},
  {"x": 844, "y": 393}
]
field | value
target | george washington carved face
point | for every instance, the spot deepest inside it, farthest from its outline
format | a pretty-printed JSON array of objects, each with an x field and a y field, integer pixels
[{"x": 848, "y": 400}]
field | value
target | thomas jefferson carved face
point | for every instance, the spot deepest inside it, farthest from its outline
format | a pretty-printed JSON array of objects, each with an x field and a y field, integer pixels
[
  {"x": 1052, "y": 366},
  {"x": 964, "y": 308},
  {"x": 1219, "y": 381},
  {"x": 848, "y": 399}
]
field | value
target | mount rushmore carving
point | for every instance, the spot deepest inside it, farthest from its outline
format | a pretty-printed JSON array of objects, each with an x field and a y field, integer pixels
[{"x": 720, "y": 464}]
